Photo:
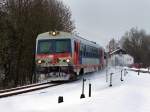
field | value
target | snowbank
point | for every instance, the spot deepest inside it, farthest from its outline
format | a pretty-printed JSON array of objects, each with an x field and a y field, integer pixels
[{"x": 130, "y": 95}]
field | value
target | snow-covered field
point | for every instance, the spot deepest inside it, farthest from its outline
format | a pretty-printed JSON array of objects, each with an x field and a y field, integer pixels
[{"x": 130, "y": 95}]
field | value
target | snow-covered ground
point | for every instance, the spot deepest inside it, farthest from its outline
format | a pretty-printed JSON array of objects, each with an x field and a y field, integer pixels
[{"x": 130, "y": 95}]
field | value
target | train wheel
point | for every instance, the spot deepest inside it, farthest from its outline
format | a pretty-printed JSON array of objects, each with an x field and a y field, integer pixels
[
  {"x": 73, "y": 77},
  {"x": 81, "y": 72}
]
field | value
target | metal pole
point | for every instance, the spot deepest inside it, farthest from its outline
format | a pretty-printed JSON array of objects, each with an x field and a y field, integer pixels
[
  {"x": 106, "y": 68},
  {"x": 138, "y": 72},
  {"x": 124, "y": 72},
  {"x": 110, "y": 79},
  {"x": 106, "y": 74},
  {"x": 83, "y": 86},
  {"x": 89, "y": 89},
  {"x": 121, "y": 76},
  {"x": 83, "y": 95}
]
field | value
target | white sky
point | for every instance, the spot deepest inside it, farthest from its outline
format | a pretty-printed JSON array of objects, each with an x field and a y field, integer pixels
[{"x": 101, "y": 20}]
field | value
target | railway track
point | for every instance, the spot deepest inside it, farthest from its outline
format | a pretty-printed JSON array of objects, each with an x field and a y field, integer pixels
[
  {"x": 139, "y": 70},
  {"x": 25, "y": 89}
]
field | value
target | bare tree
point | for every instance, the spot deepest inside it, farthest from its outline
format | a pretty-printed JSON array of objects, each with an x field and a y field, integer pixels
[
  {"x": 112, "y": 45},
  {"x": 20, "y": 24},
  {"x": 136, "y": 43}
]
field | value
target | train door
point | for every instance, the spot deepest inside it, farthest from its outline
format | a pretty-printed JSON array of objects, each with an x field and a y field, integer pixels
[{"x": 76, "y": 52}]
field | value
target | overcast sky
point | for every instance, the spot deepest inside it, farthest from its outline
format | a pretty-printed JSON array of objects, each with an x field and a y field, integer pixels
[{"x": 101, "y": 20}]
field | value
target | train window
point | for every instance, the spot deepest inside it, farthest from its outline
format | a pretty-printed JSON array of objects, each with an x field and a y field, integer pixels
[
  {"x": 92, "y": 52},
  {"x": 53, "y": 46},
  {"x": 87, "y": 51},
  {"x": 84, "y": 50},
  {"x": 81, "y": 50},
  {"x": 45, "y": 47},
  {"x": 62, "y": 46}
]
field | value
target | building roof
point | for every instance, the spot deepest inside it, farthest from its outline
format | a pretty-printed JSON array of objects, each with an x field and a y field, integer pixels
[{"x": 118, "y": 51}]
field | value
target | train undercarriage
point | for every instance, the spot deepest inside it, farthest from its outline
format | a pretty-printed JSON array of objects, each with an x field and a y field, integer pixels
[{"x": 56, "y": 73}]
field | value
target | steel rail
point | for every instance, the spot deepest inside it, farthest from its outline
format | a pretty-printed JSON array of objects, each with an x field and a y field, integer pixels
[
  {"x": 27, "y": 89},
  {"x": 23, "y": 87}
]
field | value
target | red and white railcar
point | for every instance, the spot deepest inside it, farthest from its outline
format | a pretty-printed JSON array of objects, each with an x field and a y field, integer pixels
[{"x": 64, "y": 56}]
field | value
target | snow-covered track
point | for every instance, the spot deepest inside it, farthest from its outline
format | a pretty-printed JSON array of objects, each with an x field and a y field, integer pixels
[{"x": 25, "y": 89}]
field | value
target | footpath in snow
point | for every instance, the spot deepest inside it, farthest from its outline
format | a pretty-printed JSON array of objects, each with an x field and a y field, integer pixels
[{"x": 130, "y": 95}]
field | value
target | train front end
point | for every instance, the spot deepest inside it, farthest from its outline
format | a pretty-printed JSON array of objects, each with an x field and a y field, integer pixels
[{"x": 54, "y": 57}]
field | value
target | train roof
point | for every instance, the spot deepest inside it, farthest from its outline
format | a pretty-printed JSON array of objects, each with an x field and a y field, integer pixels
[
  {"x": 64, "y": 35},
  {"x": 48, "y": 35}
]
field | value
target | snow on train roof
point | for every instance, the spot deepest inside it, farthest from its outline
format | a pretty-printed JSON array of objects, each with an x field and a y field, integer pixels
[{"x": 63, "y": 35}]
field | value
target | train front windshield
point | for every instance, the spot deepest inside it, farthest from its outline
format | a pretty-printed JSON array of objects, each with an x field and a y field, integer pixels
[{"x": 54, "y": 46}]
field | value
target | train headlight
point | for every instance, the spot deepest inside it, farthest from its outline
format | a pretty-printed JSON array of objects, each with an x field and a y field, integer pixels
[
  {"x": 54, "y": 33},
  {"x": 67, "y": 60},
  {"x": 39, "y": 61}
]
